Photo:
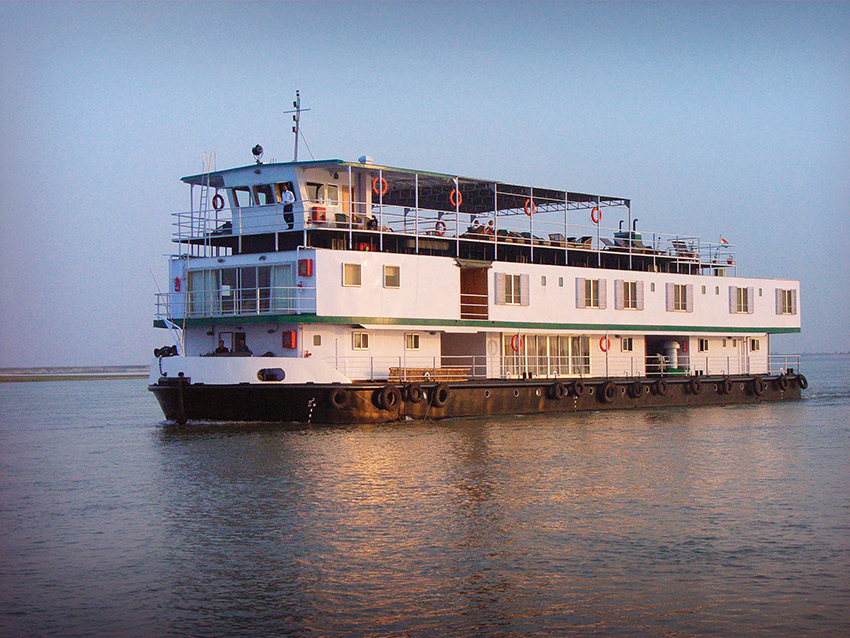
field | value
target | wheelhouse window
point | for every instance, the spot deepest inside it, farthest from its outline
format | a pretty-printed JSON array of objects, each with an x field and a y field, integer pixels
[
  {"x": 392, "y": 276},
  {"x": 315, "y": 192},
  {"x": 264, "y": 195},
  {"x": 332, "y": 194},
  {"x": 351, "y": 274},
  {"x": 411, "y": 341},
  {"x": 360, "y": 341},
  {"x": 241, "y": 196}
]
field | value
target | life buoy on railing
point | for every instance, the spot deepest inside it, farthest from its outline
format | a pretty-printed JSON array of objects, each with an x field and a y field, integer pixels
[
  {"x": 530, "y": 207},
  {"x": 604, "y": 344},
  {"x": 440, "y": 227},
  {"x": 596, "y": 215},
  {"x": 516, "y": 343},
  {"x": 455, "y": 198},
  {"x": 218, "y": 201},
  {"x": 384, "y": 186},
  {"x": 177, "y": 284}
]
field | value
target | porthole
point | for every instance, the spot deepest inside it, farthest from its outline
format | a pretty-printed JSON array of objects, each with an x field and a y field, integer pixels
[
  {"x": 516, "y": 393},
  {"x": 537, "y": 392},
  {"x": 486, "y": 394}
]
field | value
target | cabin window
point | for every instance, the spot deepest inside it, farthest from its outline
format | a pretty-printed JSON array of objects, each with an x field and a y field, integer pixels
[
  {"x": 560, "y": 282},
  {"x": 740, "y": 300},
  {"x": 628, "y": 295},
  {"x": 317, "y": 340},
  {"x": 680, "y": 297},
  {"x": 591, "y": 293},
  {"x": 351, "y": 274},
  {"x": 627, "y": 344},
  {"x": 392, "y": 276},
  {"x": 315, "y": 192},
  {"x": 264, "y": 195},
  {"x": 755, "y": 345},
  {"x": 360, "y": 341},
  {"x": 786, "y": 302},
  {"x": 543, "y": 280},
  {"x": 703, "y": 290},
  {"x": 703, "y": 345},
  {"x": 511, "y": 289},
  {"x": 332, "y": 193},
  {"x": 241, "y": 196},
  {"x": 411, "y": 341},
  {"x": 652, "y": 287}
]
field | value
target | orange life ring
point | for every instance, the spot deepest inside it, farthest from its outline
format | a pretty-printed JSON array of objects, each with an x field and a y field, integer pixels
[
  {"x": 455, "y": 195},
  {"x": 604, "y": 344},
  {"x": 384, "y": 186},
  {"x": 516, "y": 343},
  {"x": 530, "y": 207},
  {"x": 177, "y": 284},
  {"x": 596, "y": 215},
  {"x": 440, "y": 227},
  {"x": 218, "y": 201}
]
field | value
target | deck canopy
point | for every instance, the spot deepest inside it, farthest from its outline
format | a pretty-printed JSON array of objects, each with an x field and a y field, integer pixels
[{"x": 439, "y": 191}]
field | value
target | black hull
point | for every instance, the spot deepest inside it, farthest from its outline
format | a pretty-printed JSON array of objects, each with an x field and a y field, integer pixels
[{"x": 183, "y": 401}]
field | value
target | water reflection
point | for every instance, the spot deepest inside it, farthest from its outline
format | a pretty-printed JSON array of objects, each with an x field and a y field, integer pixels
[{"x": 599, "y": 523}]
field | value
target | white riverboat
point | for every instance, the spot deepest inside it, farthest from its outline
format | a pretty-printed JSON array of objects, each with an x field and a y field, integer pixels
[{"x": 348, "y": 291}]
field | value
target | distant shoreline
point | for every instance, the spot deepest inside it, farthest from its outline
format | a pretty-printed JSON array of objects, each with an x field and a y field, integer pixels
[{"x": 72, "y": 373}]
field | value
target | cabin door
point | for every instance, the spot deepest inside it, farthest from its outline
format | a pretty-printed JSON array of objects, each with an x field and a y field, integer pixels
[{"x": 473, "y": 293}]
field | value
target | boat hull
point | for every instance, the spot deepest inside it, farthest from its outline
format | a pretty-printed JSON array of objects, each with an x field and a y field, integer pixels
[{"x": 182, "y": 401}]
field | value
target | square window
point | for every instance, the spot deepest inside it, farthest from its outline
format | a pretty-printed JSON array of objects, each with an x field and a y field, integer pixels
[
  {"x": 351, "y": 274},
  {"x": 360, "y": 341},
  {"x": 703, "y": 345},
  {"x": 627, "y": 344},
  {"x": 411, "y": 341},
  {"x": 392, "y": 276},
  {"x": 755, "y": 345}
]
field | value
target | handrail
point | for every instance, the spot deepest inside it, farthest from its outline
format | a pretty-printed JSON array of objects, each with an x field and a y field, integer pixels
[{"x": 237, "y": 302}]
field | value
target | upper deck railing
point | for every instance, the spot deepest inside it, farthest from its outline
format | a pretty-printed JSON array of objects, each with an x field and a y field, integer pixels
[{"x": 538, "y": 225}]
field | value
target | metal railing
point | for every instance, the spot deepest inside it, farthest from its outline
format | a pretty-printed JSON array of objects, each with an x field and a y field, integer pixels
[
  {"x": 237, "y": 302},
  {"x": 429, "y": 229}
]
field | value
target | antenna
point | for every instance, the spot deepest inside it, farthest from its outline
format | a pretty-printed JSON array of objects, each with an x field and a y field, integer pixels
[{"x": 297, "y": 119}]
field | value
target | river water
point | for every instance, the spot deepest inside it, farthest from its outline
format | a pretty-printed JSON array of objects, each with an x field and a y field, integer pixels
[{"x": 674, "y": 522}]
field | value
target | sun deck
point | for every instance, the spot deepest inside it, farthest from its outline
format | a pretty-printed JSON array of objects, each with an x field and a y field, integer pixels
[{"x": 361, "y": 206}]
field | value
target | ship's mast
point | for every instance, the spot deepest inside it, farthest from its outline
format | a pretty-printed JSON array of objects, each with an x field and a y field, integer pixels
[{"x": 296, "y": 128}]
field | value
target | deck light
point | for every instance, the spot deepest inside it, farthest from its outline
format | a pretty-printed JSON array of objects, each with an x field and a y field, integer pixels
[{"x": 258, "y": 153}]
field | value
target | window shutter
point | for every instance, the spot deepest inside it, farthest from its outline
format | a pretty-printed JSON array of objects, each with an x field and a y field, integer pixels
[
  {"x": 619, "y": 294},
  {"x": 733, "y": 299},
  {"x": 523, "y": 290},
  {"x": 778, "y": 301},
  {"x": 640, "y": 295},
  {"x": 751, "y": 300},
  {"x": 580, "y": 292},
  {"x": 689, "y": 302},
  {"x": 671, "y": 299},
  {"x": 794, "y": 302},
  {"x": 500, "y": 288},
  {"x": 603, "y": 294}
]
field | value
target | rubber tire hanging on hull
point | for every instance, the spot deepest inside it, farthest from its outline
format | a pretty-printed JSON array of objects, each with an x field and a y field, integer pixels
[
  {"x": 661, "y": 387},
  {"x": 339, "y": 398},
  {"x": 415, "y": 393},
  {"x": 608, "y": 392},
  {"x": 802, "y": 381},
  {"x": 557, "y": 391},
  {"x": 389, "y": 398},
  {"x": 440, "y": 395},
  {"x": 758, "y": 386},
  {"x": 578, "y": 388}
]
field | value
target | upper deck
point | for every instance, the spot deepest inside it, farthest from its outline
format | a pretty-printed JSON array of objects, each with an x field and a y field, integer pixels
[{"x": 363, "y": 206}]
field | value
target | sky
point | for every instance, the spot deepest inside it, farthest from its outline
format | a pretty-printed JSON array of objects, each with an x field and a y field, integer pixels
[{"x": 715, "y": 119}]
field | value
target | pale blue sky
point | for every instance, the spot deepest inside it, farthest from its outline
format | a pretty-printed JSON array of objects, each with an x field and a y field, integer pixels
[{"x": 714, "y": 118}]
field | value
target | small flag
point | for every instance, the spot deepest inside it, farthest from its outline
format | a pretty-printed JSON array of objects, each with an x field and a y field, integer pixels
[{"x": 723, "y": 241}]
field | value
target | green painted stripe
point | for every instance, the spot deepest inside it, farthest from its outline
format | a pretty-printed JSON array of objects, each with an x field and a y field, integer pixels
[{"x": 472, "y": 323}]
